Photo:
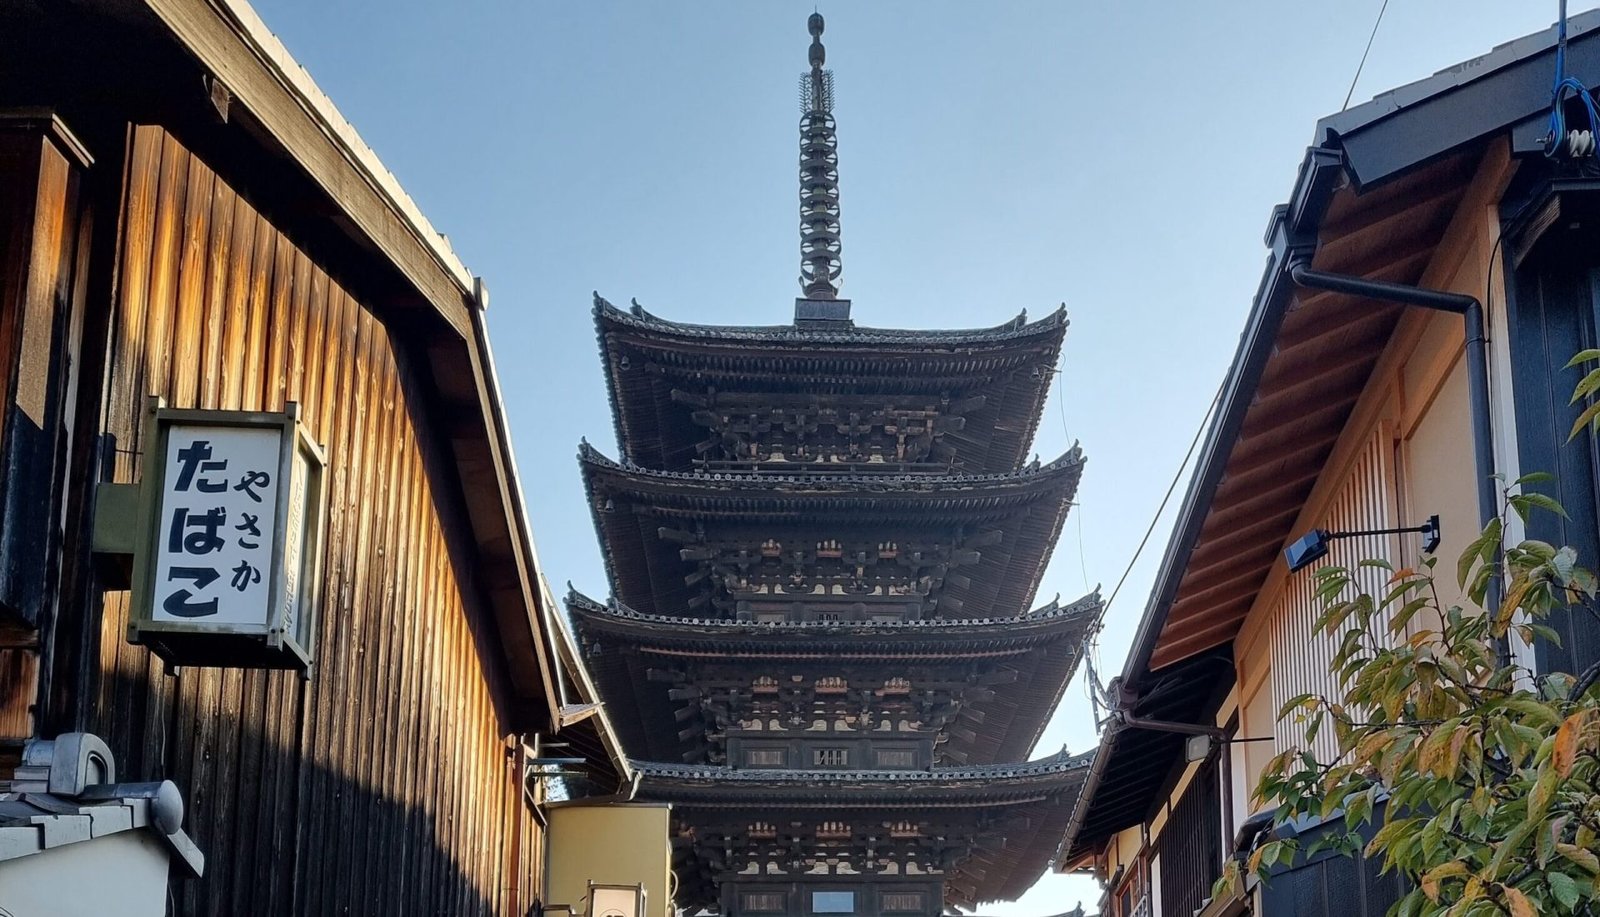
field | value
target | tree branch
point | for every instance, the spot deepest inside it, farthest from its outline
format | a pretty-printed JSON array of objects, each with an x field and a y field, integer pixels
[{"x": 1585, "y": 682}]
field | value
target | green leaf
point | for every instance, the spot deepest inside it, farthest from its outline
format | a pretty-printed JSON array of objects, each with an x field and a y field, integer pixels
[
  {"x": 1541, "y": 501},
  {"x": 1589, "y": 414},
  {"x": 1531, "y": 708},
  {"x": 1582, "y": 357},
  {"x": 1586, "y": 386},
  {"x": 1564, "y": 889},
  {"x": 1470, "y": 555}
]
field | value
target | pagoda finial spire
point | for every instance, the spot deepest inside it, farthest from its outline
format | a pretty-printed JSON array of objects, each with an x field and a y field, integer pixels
[{"x": 819, "y": 176}]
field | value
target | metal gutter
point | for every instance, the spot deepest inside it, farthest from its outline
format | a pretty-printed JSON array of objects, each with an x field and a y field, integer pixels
[{"x": 1477, "y": 347}]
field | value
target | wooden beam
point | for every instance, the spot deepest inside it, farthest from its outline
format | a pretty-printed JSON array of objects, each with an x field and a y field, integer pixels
[{"x": 1194, "y": 644}]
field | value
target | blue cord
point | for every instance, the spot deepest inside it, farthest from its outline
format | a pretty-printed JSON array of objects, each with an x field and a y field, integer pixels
[{"x": 1566, "y": 87}]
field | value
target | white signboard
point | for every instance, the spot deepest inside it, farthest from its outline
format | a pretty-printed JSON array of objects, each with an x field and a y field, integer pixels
[
  {"x": 215, "y": 517},
  {"x": 294, "y": 544}
]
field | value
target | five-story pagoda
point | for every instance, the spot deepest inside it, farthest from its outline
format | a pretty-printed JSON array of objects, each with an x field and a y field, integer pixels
[{"x": 823, "y": 543}]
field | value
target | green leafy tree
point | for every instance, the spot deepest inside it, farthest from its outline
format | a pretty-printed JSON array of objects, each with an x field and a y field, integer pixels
[{"x": 1487, "y": 776}]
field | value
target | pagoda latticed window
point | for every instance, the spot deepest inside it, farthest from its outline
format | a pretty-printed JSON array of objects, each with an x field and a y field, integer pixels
[{"x": 830, "y": 757}]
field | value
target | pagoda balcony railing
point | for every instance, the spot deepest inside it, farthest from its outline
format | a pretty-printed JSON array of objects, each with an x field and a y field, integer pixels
[{"x": 823, "y": 467}]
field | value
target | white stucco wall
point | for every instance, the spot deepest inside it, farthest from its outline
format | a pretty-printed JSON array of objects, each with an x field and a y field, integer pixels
[{"x": 120, "y": 875}]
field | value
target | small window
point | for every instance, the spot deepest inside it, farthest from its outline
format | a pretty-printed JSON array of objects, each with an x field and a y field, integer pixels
[
  {"x": 902, "y": 902},
  {"x": 770, "y": 617},
  {"x": 896, "y": 757},
  {"x": 830, "y": 757},
  {"x": 833, "y": 902},
  {"x": 763, "y": 902},
  {"x": 765, "y": 757},
  {"x": 886, "y": 617},
  {"x": 830, "y": 616}
]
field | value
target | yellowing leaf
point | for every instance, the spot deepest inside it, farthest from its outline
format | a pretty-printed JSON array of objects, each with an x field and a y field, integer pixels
[
  {"x": 1432, "y": 878},
  {"x": 1565, "y": 752},
  {"x": 1519, "y": 903},
  {"x": 1585, "y": 859}
]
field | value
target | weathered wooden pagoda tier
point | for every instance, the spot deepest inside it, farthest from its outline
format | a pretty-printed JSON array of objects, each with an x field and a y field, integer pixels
[
  {"x": 825, "y": 396},
  {"x": 944, "y": 692},
  {"x": 857, "y": 546},
  {"x": 968, "y": 834}
]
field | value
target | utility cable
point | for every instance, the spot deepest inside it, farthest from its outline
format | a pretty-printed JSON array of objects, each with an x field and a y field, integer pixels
[
  {"x": 1077, "y": 505},
  {"x": 1560, "y": 141},
  {"x": 1204, "y": 422},
  {"x": 1355, "y": 79}
]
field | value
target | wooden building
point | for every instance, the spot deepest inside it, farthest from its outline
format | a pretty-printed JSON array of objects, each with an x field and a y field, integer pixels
[
  {"x": 823, "y": 543},
  {"x": 1353, "y": 410},
  {"x": 184, "y": 215}
]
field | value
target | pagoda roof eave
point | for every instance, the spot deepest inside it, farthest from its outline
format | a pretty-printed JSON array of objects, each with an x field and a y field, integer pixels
[
  {"x": 1050, "y": 623},
  {"x": 1043, "y": 648},
  {"x": 704, "y": 785},
  {"x": 1028, "y": 506},
  {"x": 923, "y": 488},
  {"x": 639, "y": 320},
  {"x": 1043, "y": 792},
  {"x": 1011, "y": 365}
]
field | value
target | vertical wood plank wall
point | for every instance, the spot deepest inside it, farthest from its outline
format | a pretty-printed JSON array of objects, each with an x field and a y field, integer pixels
[
  {"x": 43, "y": 240},
  {"x": 380, "y": 786},
  {"x": 1302, "y": 654}
]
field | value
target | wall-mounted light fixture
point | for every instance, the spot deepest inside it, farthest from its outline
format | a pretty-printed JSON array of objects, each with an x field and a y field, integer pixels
[{"x": 1313, "y": 545}]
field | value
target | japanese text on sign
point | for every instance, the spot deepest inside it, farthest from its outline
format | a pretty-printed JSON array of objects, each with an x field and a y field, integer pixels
[{"x": 215, "y": 533}]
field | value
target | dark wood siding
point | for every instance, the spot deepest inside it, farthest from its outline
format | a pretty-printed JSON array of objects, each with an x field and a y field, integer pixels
[
  {"x": 1552, "y": 315},
  {"x": 44, "y": 228},
  {"x": 1190, "y": 846},
  {"x": 1330, "y": 884},
  {"x": 381, "y": 785}
]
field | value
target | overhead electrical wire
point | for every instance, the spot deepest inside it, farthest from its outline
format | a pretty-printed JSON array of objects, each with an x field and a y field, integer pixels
[
  {"x": 1061, "y": 402},
  {"x": 1357, "y": 78},
  {"x": 1193, "y": 444}
]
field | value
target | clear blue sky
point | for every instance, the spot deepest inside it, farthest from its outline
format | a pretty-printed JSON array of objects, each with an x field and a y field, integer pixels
[{"x": 1119, "y": 157}]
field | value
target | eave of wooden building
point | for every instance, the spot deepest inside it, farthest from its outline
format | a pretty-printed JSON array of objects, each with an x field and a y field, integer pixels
[
  {"x": 1028, "y": 507},
  {"x": 280, "y": 139},
  {"x": 1321, "y": 357},
  {"x": 230, "y": 42},
  {"x": 1010, "y": 367},
  {"x": 1037, "y": 653},
  {"x": 1388, "y": 185}
]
